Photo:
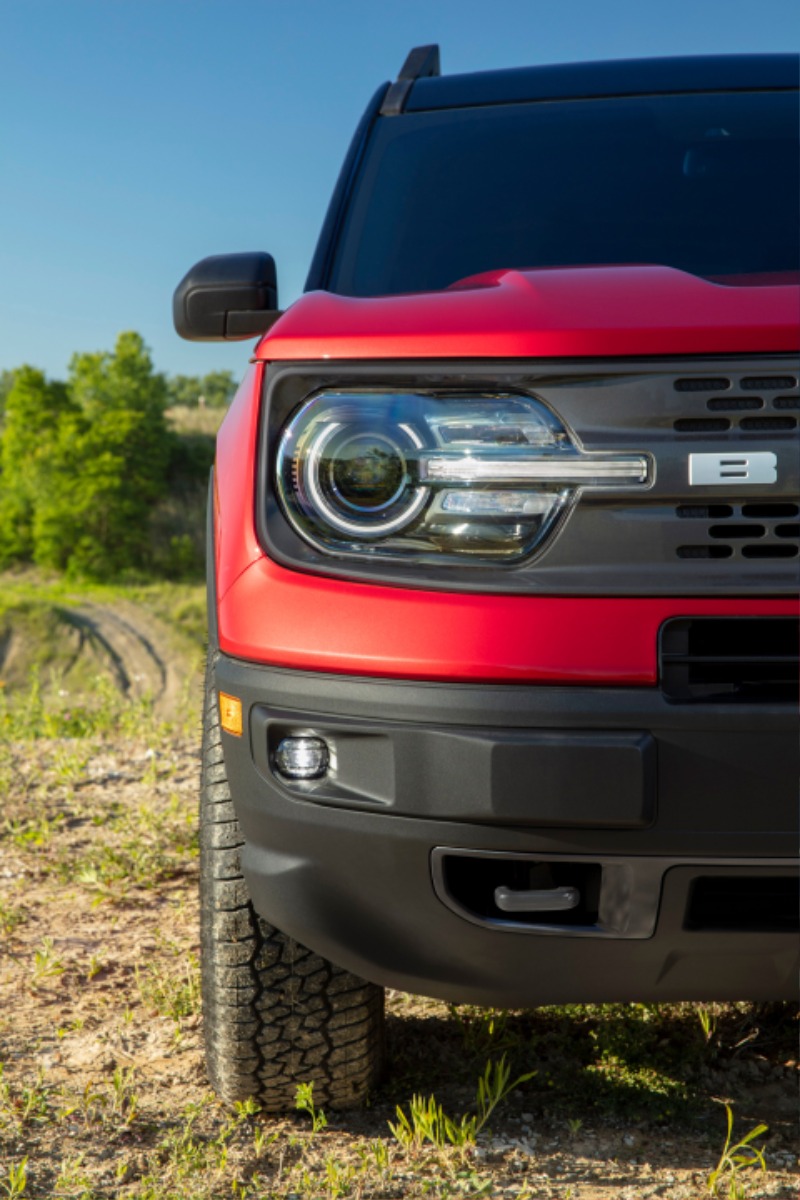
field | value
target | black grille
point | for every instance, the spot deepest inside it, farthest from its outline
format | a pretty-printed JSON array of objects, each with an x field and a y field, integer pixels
[
  {"x": 625, "y": 541},
  {"x": 737, "y": 399},
  {"x": 755, "y": 530},
  {"x": 745, "y": 904},
  {"x": 742, "y": 659},
  {"x": 763, "y": 424}
]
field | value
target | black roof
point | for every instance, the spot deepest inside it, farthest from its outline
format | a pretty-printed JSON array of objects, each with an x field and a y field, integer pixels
[{"x": 625, "y": 77}]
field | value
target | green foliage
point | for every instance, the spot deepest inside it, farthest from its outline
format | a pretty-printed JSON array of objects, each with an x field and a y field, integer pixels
[
  {"x": 426, "y": 1120},
  {"x": 34, "y": 410},
  {"x": 111, "y": 462},
  {"x": 214, "y": 390},
  {"x": 15, "y": 1182},
  {"x": 170, "y": 995},
  {"x": 177, "y": 522},
  {"x": 84, "y": 463},
  {"x": 98, "y": 476},
  {"x": 28, "y": 713},
  {"x": 736, "y": 1158},
  {"x": 304, "y": 1102},
  {"x": 102, "y": 476},
  {"x": 6, "y": 384}
]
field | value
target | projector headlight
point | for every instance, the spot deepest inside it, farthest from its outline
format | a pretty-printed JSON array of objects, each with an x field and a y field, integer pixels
[{"x": 438, "y": 476}]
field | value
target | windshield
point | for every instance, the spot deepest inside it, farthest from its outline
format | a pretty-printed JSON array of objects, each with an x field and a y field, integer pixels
[{"x": 707, "y": 183}]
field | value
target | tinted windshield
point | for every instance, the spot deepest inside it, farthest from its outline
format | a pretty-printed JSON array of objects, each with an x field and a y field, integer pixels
[{"x": 707, "y": 183}]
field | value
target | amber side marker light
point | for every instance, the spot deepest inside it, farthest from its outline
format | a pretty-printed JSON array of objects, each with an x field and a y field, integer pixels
[{"x": 230, "y": 714}]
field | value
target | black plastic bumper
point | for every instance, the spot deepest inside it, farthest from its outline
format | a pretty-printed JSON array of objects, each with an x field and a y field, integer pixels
[{"x": 675, "y": 825}]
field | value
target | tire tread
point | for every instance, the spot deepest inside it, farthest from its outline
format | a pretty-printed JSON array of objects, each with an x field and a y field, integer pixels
[{"x": 275, "y": 1014}]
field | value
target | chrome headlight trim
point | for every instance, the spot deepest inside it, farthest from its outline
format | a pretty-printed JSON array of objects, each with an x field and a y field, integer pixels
[{"x": 367, "y": 471}]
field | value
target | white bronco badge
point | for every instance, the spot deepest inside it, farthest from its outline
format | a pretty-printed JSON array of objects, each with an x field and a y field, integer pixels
[{"x": 758, "y": 466}]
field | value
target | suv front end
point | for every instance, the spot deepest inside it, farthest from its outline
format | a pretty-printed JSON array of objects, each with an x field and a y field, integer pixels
[{"x": 503, "y": 573}]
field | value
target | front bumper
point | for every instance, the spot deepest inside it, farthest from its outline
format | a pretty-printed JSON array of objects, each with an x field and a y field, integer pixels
[{"x": 677, "y": 825}]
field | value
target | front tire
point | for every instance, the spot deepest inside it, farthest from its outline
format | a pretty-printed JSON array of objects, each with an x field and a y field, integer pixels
[{"x": 275, "y": 1014}]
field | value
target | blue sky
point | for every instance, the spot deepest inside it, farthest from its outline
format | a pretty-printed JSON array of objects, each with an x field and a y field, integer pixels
[{"x": 138, "y": 136}]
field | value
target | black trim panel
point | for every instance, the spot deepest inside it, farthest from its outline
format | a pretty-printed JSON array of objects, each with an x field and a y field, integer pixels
[
  {"x": 320, "y": 262},
  {"x": 355, "y": 882},
  {"x": 700, "y": 779},
  {"x": 624, "y": 77},
  {"x": 561, "y": 777}
]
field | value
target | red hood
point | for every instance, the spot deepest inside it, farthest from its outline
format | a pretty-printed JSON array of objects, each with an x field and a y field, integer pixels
[{"x": 572, "y": 312}]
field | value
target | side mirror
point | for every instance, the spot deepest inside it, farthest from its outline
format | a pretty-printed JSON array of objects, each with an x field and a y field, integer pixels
[{"x": 226, "y": 298}]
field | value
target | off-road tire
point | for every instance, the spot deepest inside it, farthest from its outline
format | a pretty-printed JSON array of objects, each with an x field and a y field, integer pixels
[{"x": 275, "y": 1014}]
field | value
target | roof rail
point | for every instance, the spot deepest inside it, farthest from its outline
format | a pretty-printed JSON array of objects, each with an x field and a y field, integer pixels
[{"x": 421, "y": 63}]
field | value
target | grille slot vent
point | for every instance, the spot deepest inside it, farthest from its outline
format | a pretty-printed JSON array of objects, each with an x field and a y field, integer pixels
[
  {"x": 763, "y": 424},
  {"x": 694, "y": 512},
  {"x": 740, "y": 400},
  {"x": 707, "y": 384},
  {"x": 705, "y": 424},
  {"x": 764, "y": 383},
  {"x": 768, "y": 423},
  {"x": 734, "y": 403},
  {"x": 741, "y": 659},
  {"x": 764, "y": 511},
  {"x": 757, "y": 530},
  {"x": 705, "y": 551},
  {"x": 782, "y": 550},
  {"x": 736, "y": 531}
]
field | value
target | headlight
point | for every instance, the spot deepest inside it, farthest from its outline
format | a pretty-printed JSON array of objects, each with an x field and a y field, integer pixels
[
  {"x": 356, "y": 476},
  {"x": 429, "y": 475}
]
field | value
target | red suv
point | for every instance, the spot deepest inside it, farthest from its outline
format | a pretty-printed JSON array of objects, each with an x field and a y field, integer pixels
[{"x": 503, "y": 566}]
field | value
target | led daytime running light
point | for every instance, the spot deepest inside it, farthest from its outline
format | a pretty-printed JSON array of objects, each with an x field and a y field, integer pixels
[{"x": 469, "y": 469}]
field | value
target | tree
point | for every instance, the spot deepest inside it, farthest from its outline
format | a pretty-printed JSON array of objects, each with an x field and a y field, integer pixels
[
  {"x": 214, "y": 390},
  {"x": 219, "y": 388},
  {"x": 109, "y": 464},
  {"x": 85, "y": 467},
  {"x": 34, "y": 410},
  {"x": 6, "y": 384}
]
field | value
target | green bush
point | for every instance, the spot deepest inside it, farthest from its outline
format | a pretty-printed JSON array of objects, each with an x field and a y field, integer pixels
[{"x": 84, "y": 464}]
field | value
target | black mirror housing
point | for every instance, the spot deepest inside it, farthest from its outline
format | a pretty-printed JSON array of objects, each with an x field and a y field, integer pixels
[{"x": 227, "y": 297}]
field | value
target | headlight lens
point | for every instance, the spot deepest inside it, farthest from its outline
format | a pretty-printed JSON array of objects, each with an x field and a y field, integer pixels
[
  {"x": 353, "y": 473},
  {"x": 434, "y": 475}
]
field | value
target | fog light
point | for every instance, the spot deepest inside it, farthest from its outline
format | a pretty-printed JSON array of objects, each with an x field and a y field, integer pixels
[{"x": 302, "y": 757}]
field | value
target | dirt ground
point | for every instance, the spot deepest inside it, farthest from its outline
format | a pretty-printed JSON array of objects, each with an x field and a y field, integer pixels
[{"x": 103, "y": 1092}]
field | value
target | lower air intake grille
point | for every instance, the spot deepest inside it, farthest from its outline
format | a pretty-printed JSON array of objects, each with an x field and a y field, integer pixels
[
  {"x": 745, "y": 904},
  {"x": 744, "y": 659}
]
